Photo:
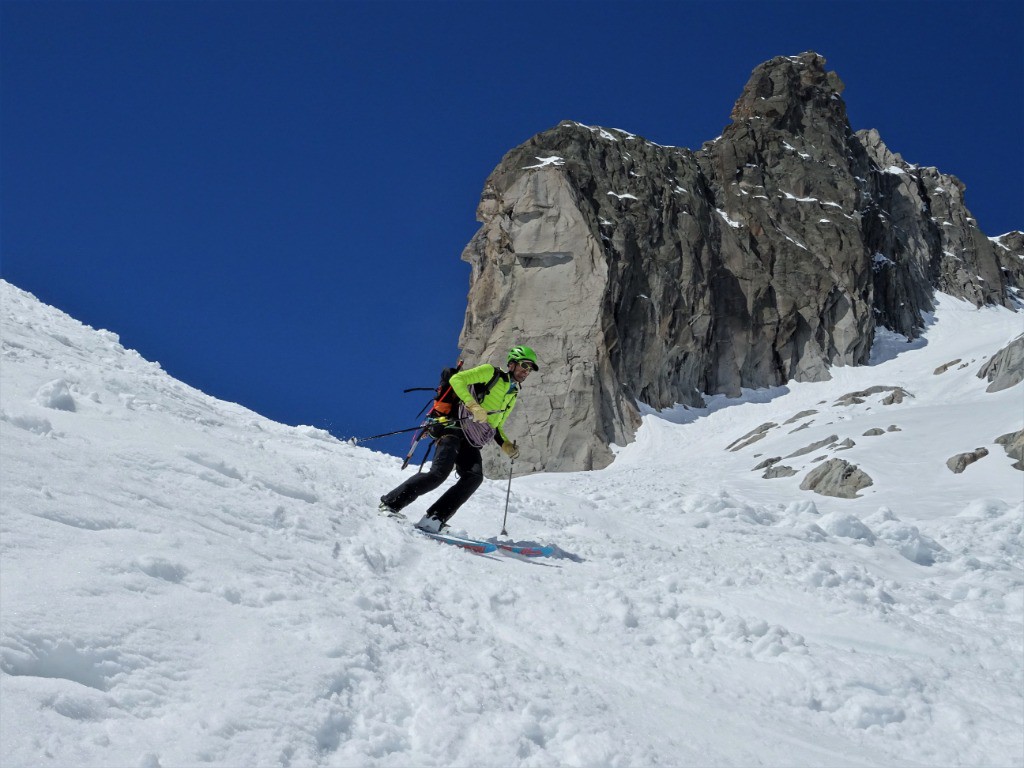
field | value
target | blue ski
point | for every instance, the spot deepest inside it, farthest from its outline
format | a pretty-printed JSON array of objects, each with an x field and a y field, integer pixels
[
  {"x": 480, "y": 547},
  {"x": 527, "y": 550}
]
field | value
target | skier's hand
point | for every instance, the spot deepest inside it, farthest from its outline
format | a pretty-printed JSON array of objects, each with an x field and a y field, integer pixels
[
  {"x": 511, "y": 450},
  {"x": 479, "y": 414}
]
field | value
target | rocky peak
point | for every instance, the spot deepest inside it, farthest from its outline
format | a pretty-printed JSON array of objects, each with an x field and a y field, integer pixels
[
  {"x": 791, "y": 93},
  {"x": 647, "y": 276}
]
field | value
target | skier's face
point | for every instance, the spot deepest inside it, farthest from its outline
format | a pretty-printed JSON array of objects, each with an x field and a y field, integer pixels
[{"x": 520, "y": 371}]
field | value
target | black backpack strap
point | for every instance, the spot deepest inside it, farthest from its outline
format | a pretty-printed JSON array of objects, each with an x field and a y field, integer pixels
[{"x": 480, "y": 394}]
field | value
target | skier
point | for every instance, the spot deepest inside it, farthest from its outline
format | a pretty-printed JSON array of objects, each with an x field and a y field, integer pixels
[{"x": 459, "y": 443}]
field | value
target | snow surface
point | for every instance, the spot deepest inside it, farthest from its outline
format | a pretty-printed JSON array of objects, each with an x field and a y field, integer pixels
[{"x": 185, "y": 582}]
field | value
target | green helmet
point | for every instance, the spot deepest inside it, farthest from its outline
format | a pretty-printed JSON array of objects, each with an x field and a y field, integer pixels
[{"x": 519, "y": 353}]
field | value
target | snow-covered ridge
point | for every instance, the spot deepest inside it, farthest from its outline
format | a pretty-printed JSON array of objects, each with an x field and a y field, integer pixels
[
  {"x": 617, "y": 134},
  {"x": 184, "y": 581}
]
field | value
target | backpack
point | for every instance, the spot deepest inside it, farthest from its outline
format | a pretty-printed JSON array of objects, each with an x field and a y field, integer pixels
[
  {"x": 446, "y": 403},
  {"x": 445, "y": 400}
]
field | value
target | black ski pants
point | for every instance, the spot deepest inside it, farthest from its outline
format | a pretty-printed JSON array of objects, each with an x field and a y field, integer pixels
[{"x": 453, "y": 451}]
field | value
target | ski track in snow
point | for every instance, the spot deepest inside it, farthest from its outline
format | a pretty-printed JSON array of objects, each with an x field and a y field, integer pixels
[{"x": 186, "y": 582}]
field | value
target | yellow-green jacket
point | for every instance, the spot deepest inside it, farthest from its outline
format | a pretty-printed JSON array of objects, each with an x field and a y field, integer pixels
[{"x": 501, "y": 398}]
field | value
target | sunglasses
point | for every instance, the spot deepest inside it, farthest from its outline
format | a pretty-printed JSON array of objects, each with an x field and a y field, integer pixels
[{"x": 527, "y": 365}]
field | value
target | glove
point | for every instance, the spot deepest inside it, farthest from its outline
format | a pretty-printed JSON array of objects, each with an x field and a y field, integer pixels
[
  {"x": 511, "y": 450},
  {"x": 479, "y": 414}
]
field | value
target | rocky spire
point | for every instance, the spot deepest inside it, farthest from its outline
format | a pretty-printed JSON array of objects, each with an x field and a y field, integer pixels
[
  {"x": 792, "y": 94},
  {"x": 647, "y": 276}
]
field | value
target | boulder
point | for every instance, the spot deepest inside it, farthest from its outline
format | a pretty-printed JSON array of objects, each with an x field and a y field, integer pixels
[
  {"x": 778, "y": 470},
  {"x": 896, "y": 395},
  {"x": 945, "y": 366},
  {"x": 831, "y": 439},
  {"x": 836, "y": 477},
  {"x": 961, "y": 461},
  {"x": 751, "y": 437},
  {"x": 798, "y": 416}
]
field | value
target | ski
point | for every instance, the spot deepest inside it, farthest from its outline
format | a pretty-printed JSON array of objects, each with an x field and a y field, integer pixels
[
  {"x": 527, "y": 550},
  {"x": 473, "y": 545},
  {"x": 477, "y": 545}
]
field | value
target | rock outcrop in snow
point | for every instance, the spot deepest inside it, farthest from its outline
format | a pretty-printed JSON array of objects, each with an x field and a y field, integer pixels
[
  {"x": 1013, "y": 444},
  {"x": 836, "y": 478},
  {"x": 656, "y": 275},
  {"x": 961, "y": 461},
  {"x": 1006, "y": 367}
]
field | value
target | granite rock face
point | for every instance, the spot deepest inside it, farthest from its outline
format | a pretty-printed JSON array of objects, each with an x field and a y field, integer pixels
[{"x": 650, "y": 274}]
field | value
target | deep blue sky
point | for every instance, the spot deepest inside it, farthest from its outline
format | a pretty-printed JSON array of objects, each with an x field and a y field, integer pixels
[{"x": 271, "y": 198}]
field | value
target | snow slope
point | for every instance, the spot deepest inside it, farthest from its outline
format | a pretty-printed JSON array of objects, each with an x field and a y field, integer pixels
[{"x": 184, "y": 582}]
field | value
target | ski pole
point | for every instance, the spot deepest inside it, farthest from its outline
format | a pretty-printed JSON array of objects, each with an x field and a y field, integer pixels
[
  {"x": 508, "y": 493},
  {"x": 355, "y": 440},
  {"x": 427, "y": 423}
]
